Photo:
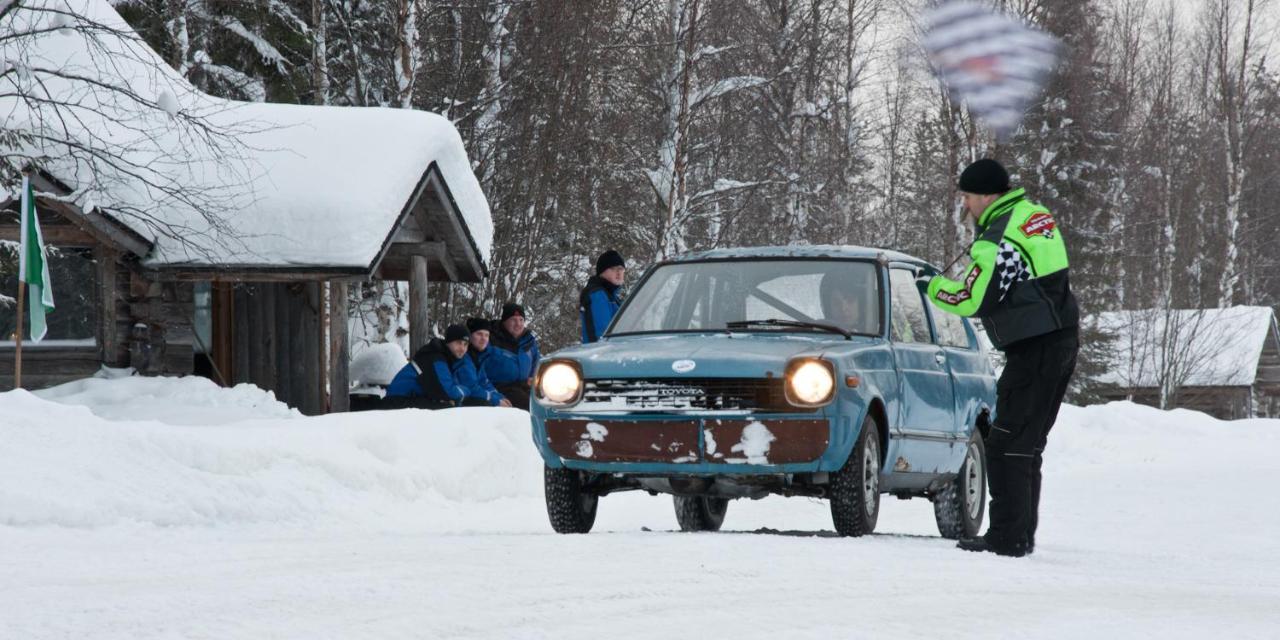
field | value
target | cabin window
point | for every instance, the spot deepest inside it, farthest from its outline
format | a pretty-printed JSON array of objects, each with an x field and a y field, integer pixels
[{"x": 72, "y": 270}]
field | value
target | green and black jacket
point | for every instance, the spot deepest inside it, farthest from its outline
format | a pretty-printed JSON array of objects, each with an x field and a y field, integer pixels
[{"x": 1018, "y": 284}]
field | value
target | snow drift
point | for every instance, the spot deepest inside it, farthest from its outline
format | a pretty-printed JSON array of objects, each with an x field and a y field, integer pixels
[{"x": 90, "y": 466}]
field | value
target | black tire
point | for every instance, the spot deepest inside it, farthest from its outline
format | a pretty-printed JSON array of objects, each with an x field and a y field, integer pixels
[
  {"x": 570, "y": 509},
  {"x": 855, "y": 488},
  {"x": 700, "y": 513},
  {"x": 960, "y": 506}
]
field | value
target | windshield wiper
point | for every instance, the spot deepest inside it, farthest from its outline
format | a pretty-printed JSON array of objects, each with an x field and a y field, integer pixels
[{"x": 778, "y": 322}]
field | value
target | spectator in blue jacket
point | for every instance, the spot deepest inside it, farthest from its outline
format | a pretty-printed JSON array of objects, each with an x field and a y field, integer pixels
[
  {"x": 514, "y": 357},
  {"x": 472, "y": 372},
  {"x": 431, "y": 379},
  {"x": 602, "y": 296}
]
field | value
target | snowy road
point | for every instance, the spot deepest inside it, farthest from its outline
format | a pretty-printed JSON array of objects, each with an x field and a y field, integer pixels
[{"x": 1154, "y": 525}]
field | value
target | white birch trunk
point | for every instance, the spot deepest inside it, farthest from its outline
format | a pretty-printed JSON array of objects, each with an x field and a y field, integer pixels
[
  {"x": 319, "y": 53},
  {"x": 408, "y": 51}
]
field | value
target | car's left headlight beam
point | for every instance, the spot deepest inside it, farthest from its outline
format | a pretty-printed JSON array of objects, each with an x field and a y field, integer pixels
[
  {"x": 811, "y": 382},
  {"x": 559, "y": 383}
]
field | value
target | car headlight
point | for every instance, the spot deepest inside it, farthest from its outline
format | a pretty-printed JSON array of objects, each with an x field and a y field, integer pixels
[
  {"x": 559, "y": 383},
  {"x": 810, "y": 382}
]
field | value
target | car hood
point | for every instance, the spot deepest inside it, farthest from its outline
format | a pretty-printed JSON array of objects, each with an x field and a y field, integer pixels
[{"x": 737, "y": 355}]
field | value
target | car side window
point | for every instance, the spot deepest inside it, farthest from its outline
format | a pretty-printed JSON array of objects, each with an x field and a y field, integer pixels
[
  {"x": 909, "y": 321},
  {"x": 951, "y": 330}
]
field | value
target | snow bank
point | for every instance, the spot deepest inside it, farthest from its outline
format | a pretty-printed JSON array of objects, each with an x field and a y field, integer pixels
[
  {"x": 66, "y": 465},
  {"x": 184, "y": 452},
  {"x": 192, "y": 400}
]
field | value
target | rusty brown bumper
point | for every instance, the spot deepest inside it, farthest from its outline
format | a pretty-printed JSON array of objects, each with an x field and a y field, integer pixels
[{"x": 778, "y": 441}]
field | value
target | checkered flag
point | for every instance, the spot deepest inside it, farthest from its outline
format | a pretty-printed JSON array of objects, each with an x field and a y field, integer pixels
[{"x": 991, "y": 61}]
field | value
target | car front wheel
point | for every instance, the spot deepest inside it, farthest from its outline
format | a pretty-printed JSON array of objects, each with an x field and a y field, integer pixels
[
  {"x": 700, "y": 513},
  {"x": 961, "y": 504},
  {"x": 569, "y": 507},
  {"x": 855, "y": 488}
]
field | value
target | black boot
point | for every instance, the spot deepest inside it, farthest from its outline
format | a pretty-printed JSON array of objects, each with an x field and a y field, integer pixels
[{"x": 981, "y": 543}]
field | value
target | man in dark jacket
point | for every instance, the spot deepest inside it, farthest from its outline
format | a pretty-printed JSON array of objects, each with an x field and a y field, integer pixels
[
  {"x": 1019, "y": 286},
  {"x": 430, "y": 380},
  {"x": 515, "y": 356},
  {"x": 601, "y": 297},
  {"x": 472, "y": 374}
]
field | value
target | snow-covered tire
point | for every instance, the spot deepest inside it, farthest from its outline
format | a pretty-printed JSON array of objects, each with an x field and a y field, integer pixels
[
  {"x": 855, "y": 488},
  {"x": 700, "y": 513},
  {"x": 960, "y": 506},
  {"x": 570, "y": 509}
]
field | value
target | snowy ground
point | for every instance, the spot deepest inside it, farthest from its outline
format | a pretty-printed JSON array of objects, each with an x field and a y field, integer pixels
[{"x": 144, "y": 508}]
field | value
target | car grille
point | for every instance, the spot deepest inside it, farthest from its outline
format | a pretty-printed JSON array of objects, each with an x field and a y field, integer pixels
[{"x": 694, "y": 394}]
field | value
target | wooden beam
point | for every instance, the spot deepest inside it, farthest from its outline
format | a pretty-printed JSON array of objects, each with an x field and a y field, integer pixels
[
  {"x": 444, "y": 215},
  {"x": 339, "y": 349},
  {"x": 419, "y": 304},
  {"x": 106, "y": 229},
  {"x": 57, "y": 235},
  {"x": 254, "y": 274}
]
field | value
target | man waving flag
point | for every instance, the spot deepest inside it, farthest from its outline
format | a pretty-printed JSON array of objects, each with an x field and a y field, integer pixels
[
  {"x": 33, "y": 266},
  {"x": 992, "y": 62}
]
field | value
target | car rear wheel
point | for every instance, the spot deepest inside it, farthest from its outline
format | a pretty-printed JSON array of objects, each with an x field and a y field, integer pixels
[
  {"x": 569, "y": 507},
  {"x": 700, "y": 513},
  {"x": 961, "y": 504},
  {"x": 855, "y": 488}
]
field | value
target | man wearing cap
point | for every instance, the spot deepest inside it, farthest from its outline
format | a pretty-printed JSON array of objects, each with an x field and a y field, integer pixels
[
  {"x": 1018, "y": 285},
  {"x": 431, "y": 380},
  {"x": 515, "y": 356},
  {"x": 471, "y": 371},
  {"x": 601, "y": 297}
]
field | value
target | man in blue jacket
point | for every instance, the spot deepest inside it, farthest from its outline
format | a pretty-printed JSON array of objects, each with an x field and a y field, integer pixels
[
  {"x": 471, "y": 373},
  {"x": 514, "y": 357},
  {"x": 602, "y": 296},
  {"x": 430, "y": 380}
]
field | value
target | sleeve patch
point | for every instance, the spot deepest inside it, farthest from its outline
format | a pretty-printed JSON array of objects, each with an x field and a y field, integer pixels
[{"x": 963, "y": 294}]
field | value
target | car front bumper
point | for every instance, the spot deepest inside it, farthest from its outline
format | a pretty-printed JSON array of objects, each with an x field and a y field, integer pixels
[{"x": 691, "y": 444}]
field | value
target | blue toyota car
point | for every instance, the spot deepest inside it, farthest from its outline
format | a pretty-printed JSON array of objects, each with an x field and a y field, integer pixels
[{"x": 800, "y": 371}]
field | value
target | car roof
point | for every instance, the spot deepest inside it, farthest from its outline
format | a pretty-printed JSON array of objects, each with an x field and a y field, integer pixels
[{"x": 802, "y": 251}]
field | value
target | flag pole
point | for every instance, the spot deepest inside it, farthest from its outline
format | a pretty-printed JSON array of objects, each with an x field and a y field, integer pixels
[{"x": 17, "y": 352}]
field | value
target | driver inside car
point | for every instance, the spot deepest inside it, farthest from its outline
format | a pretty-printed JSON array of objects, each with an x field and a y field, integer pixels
[{"x": 844, "y": 301}]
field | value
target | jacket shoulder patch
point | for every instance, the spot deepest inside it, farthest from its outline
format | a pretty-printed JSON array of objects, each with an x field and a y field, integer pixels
[{"x": 1039, "y": 224}]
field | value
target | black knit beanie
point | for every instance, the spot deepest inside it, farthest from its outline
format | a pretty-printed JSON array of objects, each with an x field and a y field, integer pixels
[
  {"x": 608, "y": 260},
  {"x": 984, "y": 177},
  {"x": 512, "y": 309},
  {"x": 455, "y": 332},
  {"x": 477, "y": 324}
]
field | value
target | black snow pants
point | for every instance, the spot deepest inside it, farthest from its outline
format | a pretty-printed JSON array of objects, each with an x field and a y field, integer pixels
[{"x": 1028, "y": 396}]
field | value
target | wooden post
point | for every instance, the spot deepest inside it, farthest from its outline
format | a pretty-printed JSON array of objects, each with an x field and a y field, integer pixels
[
  {"x": 106, "y": 267},
  {"x": 282, "y": 356},
  {"x": 242, "y": 333},
  {"x": 339, "y": 358},
  {"x": 17, "y": 338},
  {"x": 419, "y": 303}
]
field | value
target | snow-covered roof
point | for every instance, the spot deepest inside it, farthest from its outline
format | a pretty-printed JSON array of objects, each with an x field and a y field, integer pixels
[
  {"x": 1196, "y": 347},
  {"x": 292, "y": 185}
]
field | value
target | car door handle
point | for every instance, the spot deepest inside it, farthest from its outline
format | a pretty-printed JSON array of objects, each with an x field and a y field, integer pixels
[{"x": 940, "y": 357}]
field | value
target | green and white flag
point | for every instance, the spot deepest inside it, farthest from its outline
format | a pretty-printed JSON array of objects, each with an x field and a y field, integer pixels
[{"x": 33, "y": 266}]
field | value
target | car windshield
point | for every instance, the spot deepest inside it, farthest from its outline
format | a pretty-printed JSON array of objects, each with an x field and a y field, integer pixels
[{"x": 744, "y": 294}]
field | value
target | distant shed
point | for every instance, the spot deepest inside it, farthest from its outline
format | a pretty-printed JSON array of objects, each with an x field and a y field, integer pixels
[{"x": 1224, "y": 362}]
